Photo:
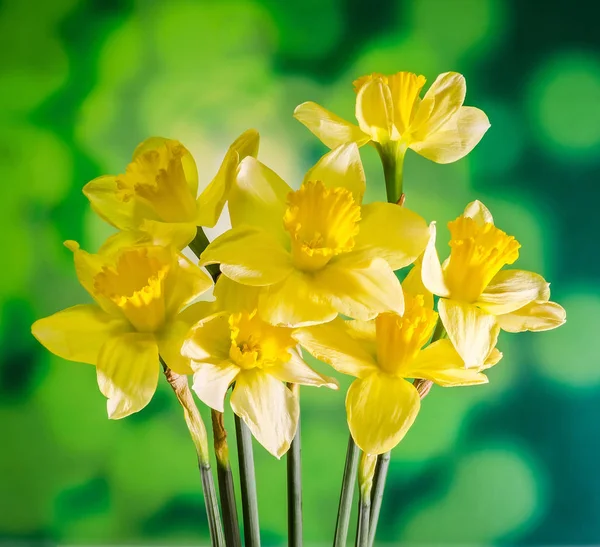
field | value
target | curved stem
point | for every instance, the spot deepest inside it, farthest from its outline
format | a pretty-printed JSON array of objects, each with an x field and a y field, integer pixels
[{"x": 346, "y": 495}]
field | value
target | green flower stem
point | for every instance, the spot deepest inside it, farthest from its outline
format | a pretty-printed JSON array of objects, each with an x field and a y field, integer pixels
[
  {"x": 197, "y": 245},
  {"x": 294, "y": 484},
  {"x": 181, "y": 388},
  {"x": 392, "y": 157},
  {"x": 346, "y": 495},
  {"x": 248, "y": 484},
  {"x": 225, "y": 477},
  {"x": 366, "y": 471}
]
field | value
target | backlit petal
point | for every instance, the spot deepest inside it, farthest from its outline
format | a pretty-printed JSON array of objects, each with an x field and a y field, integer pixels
[
  {"x": 211, "y": 382},
  {"x": 329, "y": 128},
  {"x": 235, "y": 297},
  {"x": 296, "y": 371},
  {"x": 185, "y": 283},
  {"x": 381, "y": 409},
  {"x": 413, "y": 284},
  {"x": 478, "y": 212},
  {"x": 177, "y": 234},
  {"x": 510, "y": 290},
  {"x": 431, "y": 269},
  {"x": 127, "y": 372},
  {"x": 375, "y": 110},
  {"x": 209, "y": 340},
  {"x": 536, "y": 316}
]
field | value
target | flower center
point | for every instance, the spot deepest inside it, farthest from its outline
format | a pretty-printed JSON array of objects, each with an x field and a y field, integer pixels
[
  {"x": 478, "y": 253},
  {"x": 157, "y": 179},
  {"x": 136, "y": 285},
  {"x": 400, "y": 338},
  {"x": 322, "y": 223},
  {"x": 256, "y": 344}
]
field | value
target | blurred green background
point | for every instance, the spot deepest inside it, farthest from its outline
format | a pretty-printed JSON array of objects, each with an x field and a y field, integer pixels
[{"x": 81, "y": 83}]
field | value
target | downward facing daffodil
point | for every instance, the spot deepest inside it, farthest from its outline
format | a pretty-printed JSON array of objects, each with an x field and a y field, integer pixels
[
  {"x": 478, "y": 297},
  {"x": 317, "y": 251},
  {"x": 237, "y": 346},
  {"x": 140, "y": 294},
  {"x": 382, "y": 353},
  {"x": 391, "y": 114},
  {"x": 157, "y": 193}
]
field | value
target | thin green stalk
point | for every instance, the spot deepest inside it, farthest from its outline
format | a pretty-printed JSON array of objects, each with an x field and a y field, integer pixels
[
  {"x": 225, "y": 477},
  {"x": 379, "y": 479},
  {"x": 294, "y": 485},
  {"x": 362, "y": 530},
  {"x": 181, "y": 388},
  {"x": 392, "y": 157},
  {"x": 346, "y": 495},
  {"x": 248, "y": 484},
  {"x": 366, "y": 472}
]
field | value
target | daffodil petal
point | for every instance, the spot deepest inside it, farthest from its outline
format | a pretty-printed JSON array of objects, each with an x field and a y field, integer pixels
[
  {"x": 127, "y": 372},
  {"x": 431, "y": 269},
  {"x": 375, "y": 110},
  {"x": 268, "y": 408},
  {"x": 341, "y": 168},
  {"x": 334, "y": 344},
  {"x": 296, "y": 371},
  {"x": 78, "y": 333},
  {"x": 456, "y": 138},
  {"x": 473, "y": 332},
  {"x": 330, "y": 129},
  {"x": 186, "y": 282},
  {"x": 211, "y": 382},
  {"x": 536, "y": 317},
  {"x": 177, "y": 234},
  {"x": 250, "y": 256},
  {"x": 381, "y": 409},
  {"x": 479, "y": 213},
  {"x": 441, "y": 363},
  {"x": 235, "y": 297},
  {"x": 209, "y": 340},
  {"x": 413, "y": 284},
  {"x": 393, "y": 233},
  {"x": 510, "y": 290}
]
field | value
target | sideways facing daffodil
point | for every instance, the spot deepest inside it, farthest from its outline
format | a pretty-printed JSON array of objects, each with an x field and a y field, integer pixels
[
  {"x": 140, "y": 294},
  {"x": 382, "y": 354},
  {"x": 236, "y": 346},
  {"x": 317, "y": 251},
  {"x": 157, "y": 194},
  {"x": 478, "y": 297},
  {"x": 391, "y": 114}
]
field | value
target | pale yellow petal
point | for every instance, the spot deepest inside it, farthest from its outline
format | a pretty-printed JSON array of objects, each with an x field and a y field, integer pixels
[
  {"x": 268, "y": 408},
  {"x": 211, "y": 382},
  {"x": 334, "y": 344},
  {"x": 413, "y": 284},
  {"x": 186, "y": 282},
  {"x": 431, "y": 269},
  {"x": 177, "y": 234},
  {"x": 296, "y": 371},
  {"x": 341, "y": 168},
  {"x": 381, "y": 409},
  {"x": 127, "y": 372},
  {"x": 393, "y": 233},
  {"x": 209, "y": 340},
  {"x": 249, "y": 255},
  {"x": 78, "y": 333},
  {"x": 479, "y": 213},
  {"x": 235, "y": 297},
  {"x": 536, "y": 316},
  {"x": 329, "y": 128},
  {"x": 375, "y": 110},
  {"x": 510, "y": 290},
  {"x": 473, "y": 332}
]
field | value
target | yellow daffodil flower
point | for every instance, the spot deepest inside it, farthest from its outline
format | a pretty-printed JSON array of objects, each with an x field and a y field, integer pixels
[
  {"x": 317, "y": 251},
  {"x": 228, "y": 347},
  {"x": 478, "y": 298},
  {"x": 391, "y": 114},
  {"x": 157, "y": 193},
  {"x": 382, "y": 353},
  {"x": 139, "y": 312}
]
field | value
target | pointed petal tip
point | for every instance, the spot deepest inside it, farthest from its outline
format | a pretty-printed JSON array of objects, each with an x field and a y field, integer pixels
[{"x": 71, "y": 245}]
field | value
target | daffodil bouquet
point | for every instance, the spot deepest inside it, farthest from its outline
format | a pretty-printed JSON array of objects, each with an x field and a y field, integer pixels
[{"x": 309, "y": 271}]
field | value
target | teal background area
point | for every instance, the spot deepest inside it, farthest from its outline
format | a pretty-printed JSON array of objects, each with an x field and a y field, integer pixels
[{"x": 82, "y": 83}]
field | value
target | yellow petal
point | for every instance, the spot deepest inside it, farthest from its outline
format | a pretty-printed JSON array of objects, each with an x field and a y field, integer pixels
[
  {"x": 296, "y": 371},
  {"x": 209, "y": 340},
  {"x": 441, "y": 363},
  {"x": 381, "y": 409},
  {"x": 334, "y": 344},
  {"x": 250, "y": 256},
  {"x": 268, "y": 408},
  {"x": 329, "y": 128},
  {"x": 431, "y": 269},
  {"x": 127, "y": 238},
  {"x": 294, "y": 302},
  {"x": 473, "y": 332},
  {"x": 413, "y": 285},
  {"x": 78, "y": 333},
  {"x": 456, "y": 138},
  {"x": 177, "y": 234},
  {"x": 479, "y": 213},
  {"x": 341, "y": 168},
  {"x": 375, "y": 110},
  {"x": 185, "y": 283},
  {"x": 211, "y": 382},
  {"x": 235, "y": 297},
  {"x": 212, "y": 200},
  {"x": 359, "y": 286},
  {"x": 536, "y": 316},
  {"x": 393, "y": 233},
  {"x": 127, "y": 372}
]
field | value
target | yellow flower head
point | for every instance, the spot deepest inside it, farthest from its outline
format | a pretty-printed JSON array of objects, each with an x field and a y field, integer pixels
[
  {"x": 140, "y": 293},
  {"x": 237, "y": 346},
  {"x": 389, "y": 110},
  {"x": 382, "y": 353},
  {"x": 478, "y": 297},
  {"x": 157, "y": 193},
  {"x": 317, "y": 251}
]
